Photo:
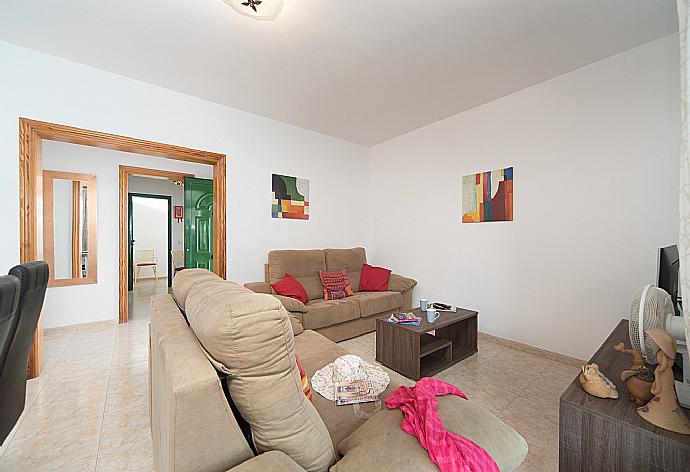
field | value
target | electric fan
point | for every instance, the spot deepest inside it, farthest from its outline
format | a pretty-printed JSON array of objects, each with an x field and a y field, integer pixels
[{"x": 652, "y": 308}]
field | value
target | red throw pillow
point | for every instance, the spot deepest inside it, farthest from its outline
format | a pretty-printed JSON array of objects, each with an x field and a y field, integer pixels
[
  {"x": 290, "y": 287},
  {"x": 374, "y": 279},
  {"x": 335, "y": 285}
]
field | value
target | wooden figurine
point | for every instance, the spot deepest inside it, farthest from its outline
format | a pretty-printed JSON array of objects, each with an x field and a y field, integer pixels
[
  {"x": 638, "y": 358},
  {"x": 595, "y": 383},
  {"x": 663, "y": 410},
  {"x": 638, "y": 378}
]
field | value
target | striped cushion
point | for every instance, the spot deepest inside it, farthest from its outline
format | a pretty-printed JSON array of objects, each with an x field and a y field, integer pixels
[
  {"x": 306, "y": 388},
  {"x": 335, "y": 285}
]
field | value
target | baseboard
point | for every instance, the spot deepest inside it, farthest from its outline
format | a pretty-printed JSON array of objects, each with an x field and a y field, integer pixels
[{"x": 518, "y": 346}]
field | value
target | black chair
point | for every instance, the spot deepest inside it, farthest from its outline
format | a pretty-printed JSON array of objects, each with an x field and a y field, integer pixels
[
  {"x": 33, "y": 281},
  {"x": 9, "y": 300}
]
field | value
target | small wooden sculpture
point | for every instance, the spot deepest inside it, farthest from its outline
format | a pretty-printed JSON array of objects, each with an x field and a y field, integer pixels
[
  {"x": 638, "y": 358},
  {"x": 638, "y": 378},
  {"x": 663, "y": 410},
  {"x": 595, "y": 383}
]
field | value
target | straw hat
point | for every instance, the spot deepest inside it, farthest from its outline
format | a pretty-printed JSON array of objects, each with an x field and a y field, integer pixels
[
  {"x": 664, "y": 341},
  {"x": 346, "y": 369}
]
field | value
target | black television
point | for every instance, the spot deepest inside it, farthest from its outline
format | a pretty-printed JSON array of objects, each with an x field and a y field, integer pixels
[{"x": 669, "y": 263}]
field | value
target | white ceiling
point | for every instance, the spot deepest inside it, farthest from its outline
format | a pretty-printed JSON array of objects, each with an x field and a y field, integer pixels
[{"x": 362, "y": 70}]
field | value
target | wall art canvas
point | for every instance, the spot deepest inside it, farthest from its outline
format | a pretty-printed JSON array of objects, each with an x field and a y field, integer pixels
[
  {"x": 488, "y": 196},
  {"x": 290, "y": 197}
]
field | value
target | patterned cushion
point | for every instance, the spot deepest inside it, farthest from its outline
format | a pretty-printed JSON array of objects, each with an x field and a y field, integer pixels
[
  {"x": 305, "y": 380},
  {"x": 335, "y": 285}
]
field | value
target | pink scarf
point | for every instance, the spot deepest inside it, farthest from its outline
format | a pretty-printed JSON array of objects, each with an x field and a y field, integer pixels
[{"x": 450, "y": 452}]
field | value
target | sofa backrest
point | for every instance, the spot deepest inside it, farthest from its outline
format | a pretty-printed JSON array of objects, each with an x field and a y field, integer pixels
[
  {"x": 185, "y": 280},
  {"x": 192, "y": 425},
  {"x": 349, "y": 259},
  {"x": 249, "y": 335},
  {"x": 304, "y": 265}
]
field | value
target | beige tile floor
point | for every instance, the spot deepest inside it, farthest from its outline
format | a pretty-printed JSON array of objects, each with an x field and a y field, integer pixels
[{"x": 89, "y": 409}]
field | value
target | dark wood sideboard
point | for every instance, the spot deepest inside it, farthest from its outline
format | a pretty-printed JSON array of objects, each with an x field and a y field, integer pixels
[{"x": 600, "y": 435}]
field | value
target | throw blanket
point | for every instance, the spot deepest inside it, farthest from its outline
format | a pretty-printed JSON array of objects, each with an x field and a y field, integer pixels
[{"x": 450, "y": 452}]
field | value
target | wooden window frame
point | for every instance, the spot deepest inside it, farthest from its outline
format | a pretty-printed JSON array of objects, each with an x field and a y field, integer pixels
[{"x": 31, "y": 135}]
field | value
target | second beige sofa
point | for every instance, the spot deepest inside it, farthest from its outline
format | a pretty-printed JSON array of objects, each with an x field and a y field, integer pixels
[{"x": 336, "y": 319}]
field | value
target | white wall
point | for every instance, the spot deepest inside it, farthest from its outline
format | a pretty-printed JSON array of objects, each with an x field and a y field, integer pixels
[
  {"x": 155, "y": 186},
  {"x": 150, "y": 225},
  {"x": 43, "y": 87},
  {"x": 595, "y": 153}
]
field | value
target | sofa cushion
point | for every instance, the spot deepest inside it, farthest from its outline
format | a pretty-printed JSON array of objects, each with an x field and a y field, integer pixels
[
  {"x": 249, "y": 334},
  {"x": 322, "y": 313},
  {"x": 363, "y": 449},
  {"x": 349, "y": 259},
  {"x": 304, "y": 265},
  {"x": 373, "y": 303},
  {"x": 186, "y": 280},
  {"x": 316, "y": 351}
]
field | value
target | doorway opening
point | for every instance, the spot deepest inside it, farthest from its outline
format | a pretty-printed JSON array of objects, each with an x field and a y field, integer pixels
[
  {"x": 150, "y": 264},
  {"x": 160, "y": 241}
]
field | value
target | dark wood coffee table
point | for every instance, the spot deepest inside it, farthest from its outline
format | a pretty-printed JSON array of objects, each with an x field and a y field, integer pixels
[{"x": 415, "y": 353}]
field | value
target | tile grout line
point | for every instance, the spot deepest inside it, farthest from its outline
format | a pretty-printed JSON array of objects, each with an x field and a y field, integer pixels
[
  {"x": 105, "y": 400},
  {"x": 33, "y": 400}
]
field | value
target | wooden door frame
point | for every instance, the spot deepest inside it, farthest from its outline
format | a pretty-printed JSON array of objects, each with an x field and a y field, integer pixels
[{"x": 31, "y": 135}]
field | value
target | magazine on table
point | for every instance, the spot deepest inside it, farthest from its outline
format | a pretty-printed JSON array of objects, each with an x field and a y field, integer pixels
[
  {"x": 404, "y": 318},
  {"x": 355, "y": 391}
]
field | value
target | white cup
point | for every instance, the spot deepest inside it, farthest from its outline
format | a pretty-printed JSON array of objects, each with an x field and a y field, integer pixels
[
  {"x": 432, "y": 315},
  {"x": 423, "y": 304}
]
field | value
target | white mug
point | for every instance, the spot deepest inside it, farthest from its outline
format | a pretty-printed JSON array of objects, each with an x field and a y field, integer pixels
[
  {"x": 432, "y": 315},
  {"x": 423, "y": 304}
]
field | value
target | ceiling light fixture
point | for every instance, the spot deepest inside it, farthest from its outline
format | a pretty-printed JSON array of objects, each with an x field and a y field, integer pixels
[{"x": 257, "y": 9}]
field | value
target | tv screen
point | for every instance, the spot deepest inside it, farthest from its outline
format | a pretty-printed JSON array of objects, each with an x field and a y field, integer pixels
[{"x": 668, "y": 275}]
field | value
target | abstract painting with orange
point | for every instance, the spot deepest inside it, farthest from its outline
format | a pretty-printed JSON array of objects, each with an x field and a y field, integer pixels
[
  {"x": 488, "y": 196},
  {"x": 290, "y": 197}
]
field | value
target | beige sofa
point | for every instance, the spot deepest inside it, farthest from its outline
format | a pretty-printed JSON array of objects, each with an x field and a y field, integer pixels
[
  {"x": 336, "y": 319},
  {"x": 193, "y": 426}
]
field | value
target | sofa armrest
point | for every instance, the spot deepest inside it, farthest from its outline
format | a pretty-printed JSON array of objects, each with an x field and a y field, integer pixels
[
  {"x": 271, "y": 460},
  {"x": 398, "y": 283},
  {"x": 292, "y": 304},
  {"x": 259, "y": 287}
]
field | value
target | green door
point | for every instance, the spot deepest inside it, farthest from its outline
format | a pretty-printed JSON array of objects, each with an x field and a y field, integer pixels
[{"x": 198, "y": 223}]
